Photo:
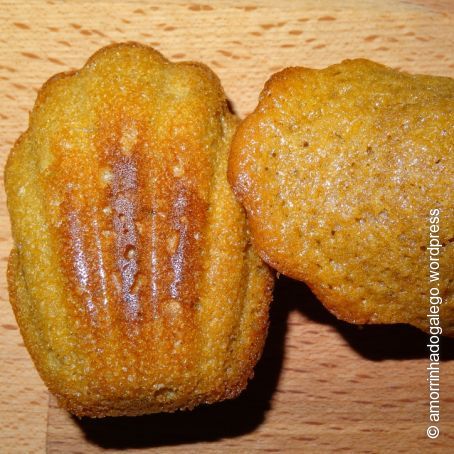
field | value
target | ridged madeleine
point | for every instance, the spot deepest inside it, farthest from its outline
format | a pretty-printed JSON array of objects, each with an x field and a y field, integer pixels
[
  {"x": 132, "y": 278},
  {"x": 340, "y": 171}
]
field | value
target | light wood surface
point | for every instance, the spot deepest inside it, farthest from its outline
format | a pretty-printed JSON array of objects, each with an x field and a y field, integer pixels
[{"x": 322, "y": 385}]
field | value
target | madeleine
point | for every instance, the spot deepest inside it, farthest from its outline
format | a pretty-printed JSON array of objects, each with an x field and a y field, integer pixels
[{"x": 132, "y": 277}]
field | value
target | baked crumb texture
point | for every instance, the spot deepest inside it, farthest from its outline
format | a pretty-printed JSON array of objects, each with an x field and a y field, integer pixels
[
  {"x": 338, "y": 170},
  {"x": 132, "y": 278}
]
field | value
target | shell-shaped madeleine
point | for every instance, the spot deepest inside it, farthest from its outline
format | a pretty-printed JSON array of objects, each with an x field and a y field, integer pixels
[
  {"x": 347, "y": 177},
  {"x": 132, "y": 278}
]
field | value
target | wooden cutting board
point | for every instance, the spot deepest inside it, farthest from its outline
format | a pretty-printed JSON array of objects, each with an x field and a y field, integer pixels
[{"x": 322, "y": 385}]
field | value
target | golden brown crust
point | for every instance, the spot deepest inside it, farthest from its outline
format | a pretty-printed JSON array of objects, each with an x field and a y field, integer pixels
[
  {"x": 132, "y": 278},
  {"x": 338, "y": 170}
]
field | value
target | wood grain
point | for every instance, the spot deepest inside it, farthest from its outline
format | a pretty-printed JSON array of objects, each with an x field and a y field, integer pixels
[{"x": 322, "y": 385}]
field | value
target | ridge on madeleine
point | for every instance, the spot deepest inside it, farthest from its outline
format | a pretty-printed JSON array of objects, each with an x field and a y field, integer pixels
[{"x": 132, "y": 277}]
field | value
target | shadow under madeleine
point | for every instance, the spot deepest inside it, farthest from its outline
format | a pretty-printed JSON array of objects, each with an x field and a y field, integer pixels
[{"x": 373, "y": 342}]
